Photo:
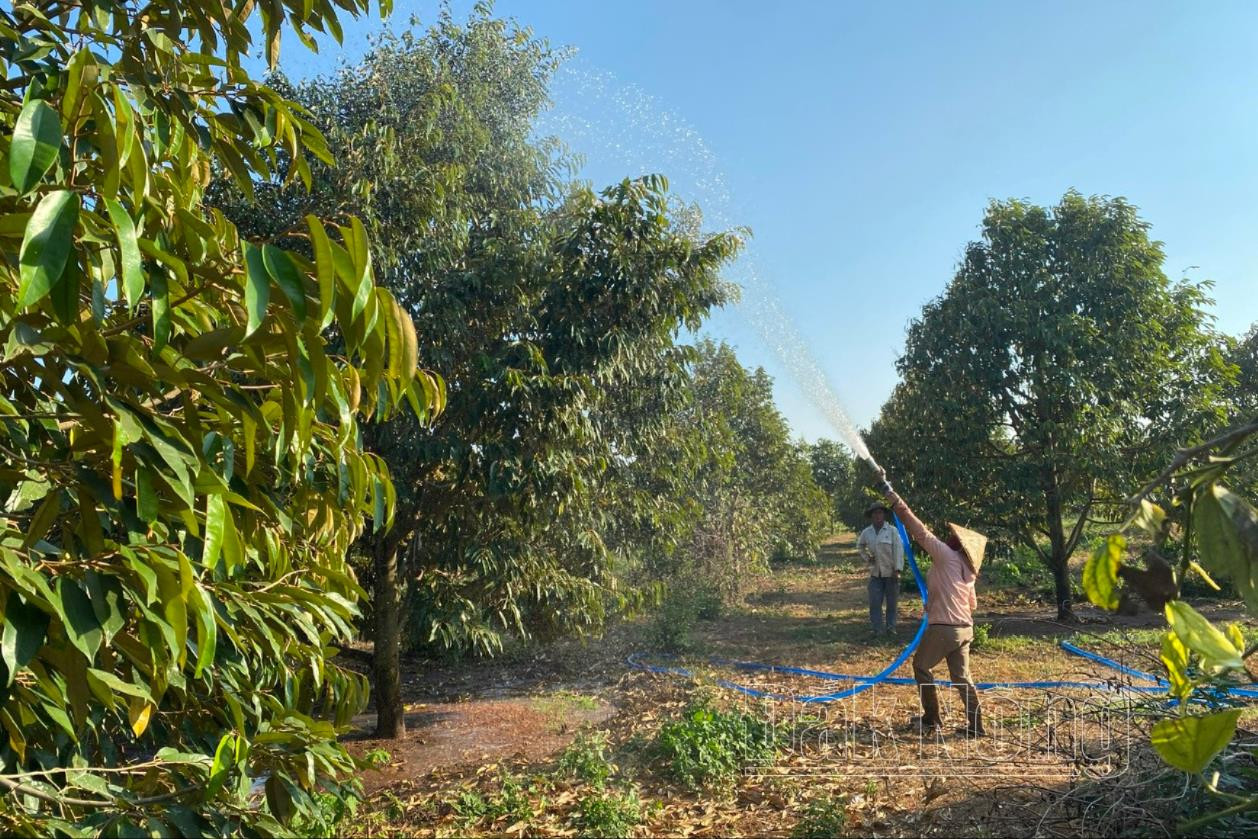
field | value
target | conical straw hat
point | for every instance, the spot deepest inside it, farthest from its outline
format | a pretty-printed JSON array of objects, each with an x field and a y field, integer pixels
[{"x": 972, "y": 545}]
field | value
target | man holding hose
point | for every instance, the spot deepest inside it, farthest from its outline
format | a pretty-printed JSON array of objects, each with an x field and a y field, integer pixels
[{"x": 950, "y": 605}]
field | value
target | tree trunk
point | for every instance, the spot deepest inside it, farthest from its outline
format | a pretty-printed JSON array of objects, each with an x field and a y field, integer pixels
[
  {"x": 1058, "y": 555},
  {"x": 1061, "y": 585},
  {"x": 387, "y": 670}
]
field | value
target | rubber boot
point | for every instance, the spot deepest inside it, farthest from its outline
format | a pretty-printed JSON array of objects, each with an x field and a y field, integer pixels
[
  {"x": 930, "y": 718},
  {"x": 973, "y": 718}
]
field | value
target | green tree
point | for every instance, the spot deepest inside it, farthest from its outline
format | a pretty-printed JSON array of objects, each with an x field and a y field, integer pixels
[
  {"x": 1244, "y": 355},
  {"x": 834, "y": 470},
  {"x": 1059, "y": 364},
  {"x": 807, "y": 509},
  {"x": 753, "y": 487},
  {"x": 550, "y": 310},
  {"x": 179, "y": 421}
]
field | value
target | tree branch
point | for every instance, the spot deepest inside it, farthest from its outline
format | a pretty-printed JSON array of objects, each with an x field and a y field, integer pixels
[
  {"x": 1077, "y": 530},
  {"x": 23, "y": 789},
  {"x": 1185, "y": 455}
]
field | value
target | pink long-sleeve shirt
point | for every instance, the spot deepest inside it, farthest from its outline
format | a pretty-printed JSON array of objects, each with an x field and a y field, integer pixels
[{"x": 951, "y": 600}]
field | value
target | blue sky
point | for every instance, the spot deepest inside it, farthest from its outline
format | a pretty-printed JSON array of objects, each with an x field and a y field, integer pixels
[{"x": 861, "y": 142}]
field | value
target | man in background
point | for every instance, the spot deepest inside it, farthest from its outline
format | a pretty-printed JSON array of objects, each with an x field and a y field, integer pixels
[{"x": 880, "y": 546}]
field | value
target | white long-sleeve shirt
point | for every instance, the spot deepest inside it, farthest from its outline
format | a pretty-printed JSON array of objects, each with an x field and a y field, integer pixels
[{"x": 882, "y": 550}]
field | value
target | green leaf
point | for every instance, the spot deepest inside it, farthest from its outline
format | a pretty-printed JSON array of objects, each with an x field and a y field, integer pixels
[
  {"x": 392, "y": 331},
  {"x": 146, "y": 501},
  {"x": 356, "y": 244},
  {"x": 108, "y": 602},
  {"x": 65, "y": 295},
  {"x": 24, "y": 629},
  {"x": 1190, "y": 743},
  {"x": 1100, "y": 573},
  {"x": 279, "y": 799},
  {"x": 215, "y": 513},
  {"x": 161, "y": 310},
  {"x": 221, "y": 765},
  {"x": 281, "y": 268},
  {"x": 257, "y": 288},
  {"x": 1226, "y": 526},
  {"x": 117, "y": 685},
  {"x": 207, "y": 628},
  {"x": 1202, "y": 637},
  {"x": 166, "y": 754},
  {"x": 325, "y": 267},
  {"x": 129, "y": 249},
  {"x": 43, "y": 519},
  {"x": 47, "y": 245},
  {"x": 36, "y": 142},
  {"x": 81, "y": 625}
]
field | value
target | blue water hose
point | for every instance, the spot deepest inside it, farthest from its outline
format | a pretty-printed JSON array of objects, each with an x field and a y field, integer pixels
[{"x": 863, "y": 683}]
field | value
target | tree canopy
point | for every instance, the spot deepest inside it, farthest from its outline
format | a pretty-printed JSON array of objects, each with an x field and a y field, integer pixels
[
  {"x": 551, "y": 312},
  {"x": 179, "y": 416},
  {"x": 1059, "y": 365}
]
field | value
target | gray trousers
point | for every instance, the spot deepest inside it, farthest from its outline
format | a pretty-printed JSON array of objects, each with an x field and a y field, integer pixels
[{"x": 883, "y": 590}]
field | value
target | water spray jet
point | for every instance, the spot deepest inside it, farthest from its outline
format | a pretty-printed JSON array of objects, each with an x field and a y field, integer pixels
[{"x": 628, "y": 129}]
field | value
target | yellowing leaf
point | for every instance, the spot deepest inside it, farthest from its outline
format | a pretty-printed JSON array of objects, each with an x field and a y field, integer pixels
[
  {"x": 1175, "y": 656},
  {"x": 1236, "y": 636},
  {"x": 1149, "y": 517},
  {"x": 1226, "y": 526},
  {"x": 116, "y": 461},
  {"x": 1190, "y": 743},
  {"x": 1201, "y": 572},
  {"x": 139, "y": 713},
  {"x": 1100, "y": 573},
  {"x": 1202, "y": 637}
]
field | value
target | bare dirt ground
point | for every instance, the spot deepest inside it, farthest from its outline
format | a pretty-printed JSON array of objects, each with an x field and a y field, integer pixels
[{"x": 484, "y": 729}]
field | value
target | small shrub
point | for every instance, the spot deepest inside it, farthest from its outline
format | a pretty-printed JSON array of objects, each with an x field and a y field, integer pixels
[
  {"x": 908, "y": 583},
  {"x": 982, "y": 636},
  {"x": 707, "y": 744},
  {"x": 586, "y": 759},
  {"x": 1017, "y": 567},
  {"x": 609, "y": 814},
  {"x": 670, "y": 628},
  {"x": 687, "y": 600},
  {"x": 513, "y": 799},
  {"x": 377, "y": 758},
  {"x": 470, "y": 806},
  {"x": 394, "y": 808},
  {"x": 330, "y": 815},
  {"x": 822, "y": 819},
  {"x": 707, "y": 601}
]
